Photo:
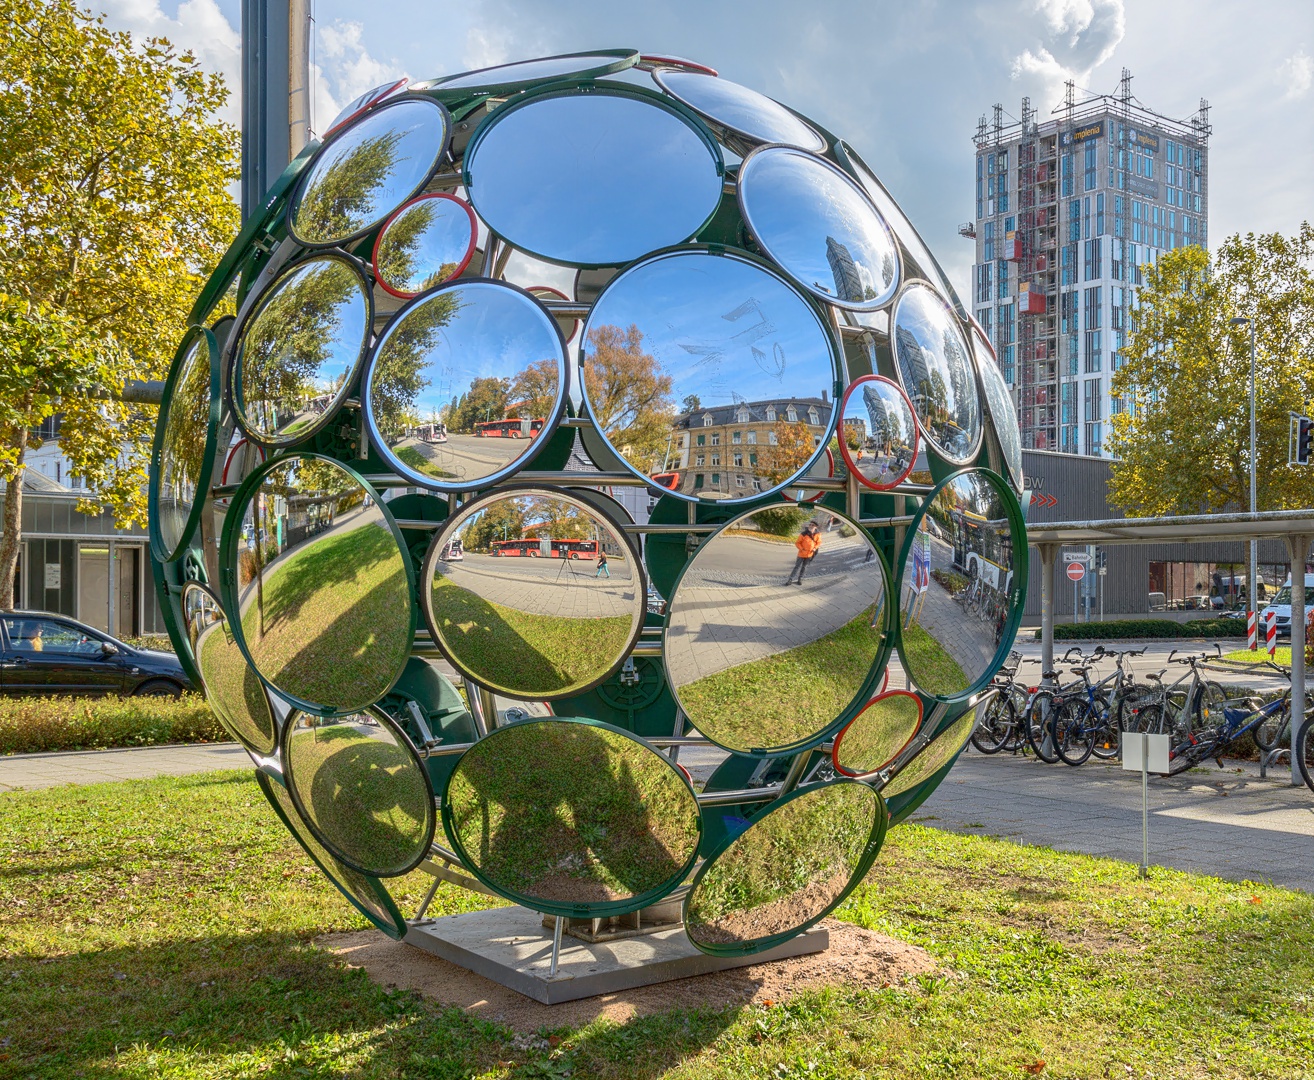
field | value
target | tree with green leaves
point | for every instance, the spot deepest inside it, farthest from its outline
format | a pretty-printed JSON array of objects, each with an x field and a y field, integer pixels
[
  {"x": 1181, "y": 437},
  {"x": 114, "y": 208},
  {"x": 485, "y": 400},
  {"x": 534, "y": 391},
  {"x": 629, "y": 396}
]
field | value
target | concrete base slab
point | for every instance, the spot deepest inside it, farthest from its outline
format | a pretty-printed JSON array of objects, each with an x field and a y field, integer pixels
[{"x": 509, "y": 946}]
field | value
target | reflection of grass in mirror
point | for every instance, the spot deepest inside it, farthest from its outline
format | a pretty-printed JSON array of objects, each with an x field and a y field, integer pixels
[
  {"x": 523, "y": 652},
  {"x": 568, "y": 812},
  {"x": 334, "y": 629},
  {"x": 363, "y": 791},
  {"x": 933, "y": 758},
  {"x": 780, "y": 699},
  {"x": 785, "y": 868},
  {"x": 929, "y": 664},
  {"x": 879, "y": 732},
  {"x": 408, "y": 455},
  {"x": 235, "y": 692}
]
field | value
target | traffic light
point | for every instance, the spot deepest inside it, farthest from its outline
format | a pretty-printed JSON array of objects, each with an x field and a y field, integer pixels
[{"x": 1304, "y": 436}]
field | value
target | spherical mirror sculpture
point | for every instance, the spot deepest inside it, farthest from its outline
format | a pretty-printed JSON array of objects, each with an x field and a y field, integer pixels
[{"x": 361, "y": 467}]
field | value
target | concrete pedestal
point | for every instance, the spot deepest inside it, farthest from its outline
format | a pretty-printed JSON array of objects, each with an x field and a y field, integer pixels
[{"x": 510, "y": 946}]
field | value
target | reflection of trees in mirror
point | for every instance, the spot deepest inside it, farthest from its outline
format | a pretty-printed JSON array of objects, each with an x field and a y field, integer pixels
[
  {"x": 786, "y": 868},
  {"x": 183, "y": 448},
  {"x": 572, "y": 813},
  {"x": 628, "y": 395},
  {"x": 362, "y": 790},
  {"x": 486, "y": 400},
  {"x": 398, "y": 376},
  {"x": 932, "y": 759},
  {"x": 787, "y": 453},
  {"x": 534, "y": 390},
  {"x": 399, "y": 250},
  {"x": 342, "y": 199}
]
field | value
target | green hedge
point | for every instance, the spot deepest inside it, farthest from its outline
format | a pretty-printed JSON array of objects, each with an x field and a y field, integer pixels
[
  {"x": 1148, "y": 628},
  {"x": 31, "y": 725}
]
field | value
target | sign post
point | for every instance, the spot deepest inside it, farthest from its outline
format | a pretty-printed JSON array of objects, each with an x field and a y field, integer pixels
[{"x": 1145, "y": 753}]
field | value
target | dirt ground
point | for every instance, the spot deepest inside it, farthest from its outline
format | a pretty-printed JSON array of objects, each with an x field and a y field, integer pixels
[{"x": 855, "y": 957}]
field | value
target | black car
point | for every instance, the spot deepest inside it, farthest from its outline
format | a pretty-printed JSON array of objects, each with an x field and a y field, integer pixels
[{"x": 52, "y": 654}]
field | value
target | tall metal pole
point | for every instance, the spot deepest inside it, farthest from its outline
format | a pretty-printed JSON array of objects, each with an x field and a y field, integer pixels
[
  {"x": 275, "y": 92},
  {"x": 1253, "y": 582},
  {"x": 1298, "y": 546}
]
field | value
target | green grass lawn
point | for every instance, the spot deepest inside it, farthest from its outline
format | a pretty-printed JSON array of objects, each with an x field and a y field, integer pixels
[
  {"x": 782, "y": 699},
  {"x": 522, "y": 652},
  {"x": 1245, "y": 656},
  {"x": 408, "y": 455},
  {"x": 164, "y": 929},
  {"x": 931, "y": 667}
]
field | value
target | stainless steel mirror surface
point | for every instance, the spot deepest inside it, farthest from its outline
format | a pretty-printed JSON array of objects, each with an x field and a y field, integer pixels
[
  {"x": 595, "y": 178},
  {"x": 742, "y": 111},
  {"x": 365, "y": 101},
  {"x": 187, "y": 436},
  {"x": 571, "y": 66},
  {"x": 428, "y": 241},
  {"x": 818, "y": 225},
  {"x": 465, "y": 384},
  {"x": 233, "y": 690},
  {"x": 710, "y": 374},
  {"x": 361, "y": 789},
  {"x": 363, "y": 173},
  {"x": 774, "y": 627},
  {"x": 565, "y": 813},
  {"x": 878, "y": 432},
  {"x": 534, "y": 594},
  {"x": 877, "y": 735},
  {"x": 788, "y": 868},
  {"x": 957, "y": 588},
  {"x": 324, "y": 595},
  {"x": 936, "y": 372},
  {"x": 299, "y": 349},
  {"x": 937, "y": 754},
  {"x": 1003, "y": 416}
]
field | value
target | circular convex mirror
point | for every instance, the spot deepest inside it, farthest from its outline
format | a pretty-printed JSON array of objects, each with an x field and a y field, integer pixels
[
  {"x": 505, "y": 77},
  {"x": 593, "y": 177},
  {"x": 789, "y": 868},
  {"x": 933, "y": 757},
  {"x": 361, "y": 789},
  {"x": 935, "y": 368},
  {"x": 711, "y": 369},
  {"x": 958, "y": 589},
  {"x": 822, "y": 469},
  {"x": 878, "y": 432},
  {"x": 739, "y": 110},
  {"x": 1003, "y": 416},
  {"x": 364, "y": 103},
  {"x": 774, "y": 628},
  {"x": 465, "y": 385},
  {"x": 428, "y": 241},
  {"x": 570, "y": 817},
  {"x": 186, "y": 444},
  {"x": 874, "y": 738},
  {"x": 298, "y": 350},
  {"x": 365, "y": 893},
  {"x": 818, "y": 225},
  {"x": 233, "y": 690},
  {"x": 365, "y": 171},
  {"x": 315, "y": 565},
  {"x": 534, "y": 594}
]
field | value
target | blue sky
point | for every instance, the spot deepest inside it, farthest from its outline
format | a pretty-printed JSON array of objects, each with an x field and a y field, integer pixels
[{"x": 904, "y": 82}]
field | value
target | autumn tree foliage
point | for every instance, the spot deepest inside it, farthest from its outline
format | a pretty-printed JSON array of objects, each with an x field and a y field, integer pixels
[{"x": 628, "y": 395}]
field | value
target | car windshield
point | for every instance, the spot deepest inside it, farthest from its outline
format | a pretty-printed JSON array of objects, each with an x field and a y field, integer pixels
[{"x": 1284, "y": 596}]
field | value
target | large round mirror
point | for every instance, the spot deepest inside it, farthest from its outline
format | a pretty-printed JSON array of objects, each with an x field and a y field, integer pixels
[
  {"x": 428, "y": 241},
  {"x": 361, "y": 789},
  {"x": 960, "y": 585},
  {"x": 999, "y": 402},
  {"x": 365, "y": 893},
  {"x": 465, "y": 385},
  {"x": 186, "y": 448},
  {"x": 534, "y": 594},
  {"x": 774, "y": 628},
  {"x": 572, "y": 818},
  {"x": 935, "y": 369},
  {"x": 878, "y": 432},
  {"x": 711, "y": 371},
  {"x": 817, "y": 224},
  {"x": 365, "y": 171},
  {"x": 234, "y": 692},
  {"x": 789, "y": 868},
  {"x": 505, "y": 77},
  {"x": 593, "y": 177},
  {"x": 739, "y": 110},
  {"x": 298, "y": 351},
  {"x": 314, "y": 564},
  {"x": 934, "y": 756},
  {"x": 878, "y": 734},
  {"x": 360, "y": 105}
]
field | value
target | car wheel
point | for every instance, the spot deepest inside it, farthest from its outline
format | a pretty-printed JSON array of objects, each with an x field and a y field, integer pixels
[{"x": 159, "y": 688}]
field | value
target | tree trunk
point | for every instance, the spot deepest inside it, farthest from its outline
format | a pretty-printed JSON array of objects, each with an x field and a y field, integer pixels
[{"x": 12, "y": 534}]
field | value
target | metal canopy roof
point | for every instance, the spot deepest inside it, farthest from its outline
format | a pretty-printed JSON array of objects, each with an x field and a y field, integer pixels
[{"x": 1191, "y": 528}]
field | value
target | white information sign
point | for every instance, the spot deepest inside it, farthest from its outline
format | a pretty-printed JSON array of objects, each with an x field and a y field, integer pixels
[{"x": 52, "y": 575}]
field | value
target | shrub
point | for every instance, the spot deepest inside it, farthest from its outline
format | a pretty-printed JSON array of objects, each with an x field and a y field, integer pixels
[
  {"x": 1148, "y": 628},
  {"x": 30, "y": 725},
  {"x": 951, "y": 580},
  {"x": 781, "y": 520},
  {"x": 158, "y": 642}
]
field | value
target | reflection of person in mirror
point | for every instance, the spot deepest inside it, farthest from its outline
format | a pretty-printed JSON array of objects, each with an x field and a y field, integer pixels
[
  {"x": 602, "y": 564},
  {"x": 807, "y": 544}
]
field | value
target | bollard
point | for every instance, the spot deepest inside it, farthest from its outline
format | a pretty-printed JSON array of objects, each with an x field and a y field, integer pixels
[
  {"x": 1270, "y": 633},
  {"x": 1252, "y": 635}
]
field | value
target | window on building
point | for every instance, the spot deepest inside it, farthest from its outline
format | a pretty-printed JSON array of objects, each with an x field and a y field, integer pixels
[
  {"x": 739, "y": 461},
  {"x": 1092, "y": 163},
  {"x": 1074, "y": 220},
  {"x": 716, "y": 438},
  {"x": 700, "y": 459},
  {"x": 1099, "y": 214},
  {"x": 771, "y": 413},
  {"x": 707, "y": 419},
  {"x": 716, "y": 459},
  {"x": 752, "y": 461},
  {"x": 983, "y": 281},
  {"x": 1005, "y": 324},
  {"x": 752, "y": 438},
  {"x": 813, "y": 415},
  {"x": 736, "y": 437},
  {"x": 1007, "y": 361},
  {"x": 702, "y": 440},
  {"x": 741, "y": 415},
  {"x": 1094, "y": 438},
  {"x": 698, "y": 480},
  {"x": 716, "y": 479},
  {"x": 739, "y": 480},
  {"x": 1092, "y": 400},
  {"x": 1093, "y": 259},
  {"x": 1091, "y": 319},
  {"x": 985, "y": 316},
  {"x": 1094, "y": 351},
  {"x": 771, "y": 438},
  {"x": 791, "y": 414},
  {"x": 1065, "y": 172}
]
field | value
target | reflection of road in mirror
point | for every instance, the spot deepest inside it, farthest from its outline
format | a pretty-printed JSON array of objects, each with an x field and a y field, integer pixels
[{"x": 461, "y": 456}]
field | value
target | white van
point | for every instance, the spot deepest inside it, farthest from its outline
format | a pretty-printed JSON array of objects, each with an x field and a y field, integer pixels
[{"x": 1281, "y": 605}]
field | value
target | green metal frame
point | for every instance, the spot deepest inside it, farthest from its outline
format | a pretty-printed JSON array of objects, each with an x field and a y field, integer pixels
[{"x": 625, "y": 58}]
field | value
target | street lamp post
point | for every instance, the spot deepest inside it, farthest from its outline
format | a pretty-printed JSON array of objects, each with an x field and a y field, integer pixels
[{"x": 1252, "y": 586}]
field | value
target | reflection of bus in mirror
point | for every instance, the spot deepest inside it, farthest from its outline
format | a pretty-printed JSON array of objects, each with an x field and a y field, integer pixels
[
  {"x": 535, "y": 548},
  {"x": 983, "y": 549},
  {"x": 513, "y": 427}
]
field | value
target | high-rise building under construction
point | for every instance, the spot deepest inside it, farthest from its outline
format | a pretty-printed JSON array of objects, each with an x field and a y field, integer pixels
[{"x": 1068, "y": 211}]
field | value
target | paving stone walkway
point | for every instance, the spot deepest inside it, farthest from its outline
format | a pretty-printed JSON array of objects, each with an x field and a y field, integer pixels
[
  {"x": 561, "y": 588},
  {"x": 95, "y": 766}
]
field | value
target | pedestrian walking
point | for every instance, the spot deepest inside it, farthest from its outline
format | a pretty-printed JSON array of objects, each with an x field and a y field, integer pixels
[
  {"x": 807, "y": 544},
  {"x": 602, "y": 565}
]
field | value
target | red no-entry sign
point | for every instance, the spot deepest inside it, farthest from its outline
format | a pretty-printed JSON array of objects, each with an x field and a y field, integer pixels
[{"x": 1076, "y": 571}]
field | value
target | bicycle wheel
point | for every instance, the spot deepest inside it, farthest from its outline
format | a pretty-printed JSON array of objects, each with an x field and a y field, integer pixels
[
  {"x": 997, "y": 722},
  {"x": 1305, "y": 752},
  {"x": 1148, "y": 718},
  {"x": 1207, "y": 708},
  {"x": 1272, "y": 728},
  {"x": 1106, "y": 734},
  {"x": 1074, "y": 728},
  {"x": 1040, "y": 726}
]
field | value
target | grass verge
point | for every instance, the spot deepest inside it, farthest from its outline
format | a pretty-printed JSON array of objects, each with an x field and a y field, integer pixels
[
  {"x": 1259, "y": 656},
  {"x": 32, "y": 725},
  {"x": 164, "y": 927},
  {"x": 929, "y": 663}
]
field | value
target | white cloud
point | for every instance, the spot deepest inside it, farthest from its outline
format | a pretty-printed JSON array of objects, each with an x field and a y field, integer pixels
[
  {"x": 344, "y": 69},
  {"x": 1079, "y": 36},
  {"x": 1297, "y": 74}
]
